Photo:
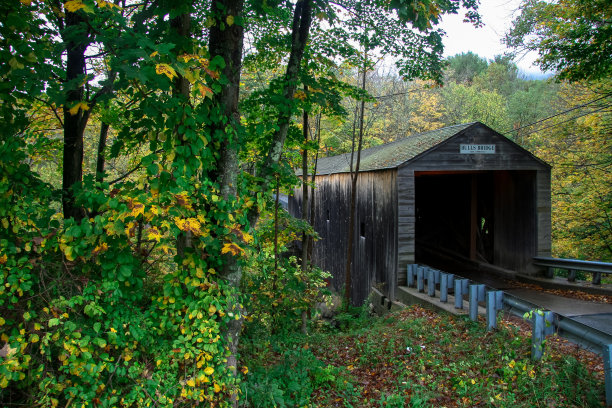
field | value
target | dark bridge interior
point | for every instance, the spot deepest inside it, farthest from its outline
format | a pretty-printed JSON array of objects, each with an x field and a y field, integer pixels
[{"x": 488, "y": 217}]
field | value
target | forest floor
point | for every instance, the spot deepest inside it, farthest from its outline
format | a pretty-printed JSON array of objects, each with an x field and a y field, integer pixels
[{"x": 418, "y": 358}]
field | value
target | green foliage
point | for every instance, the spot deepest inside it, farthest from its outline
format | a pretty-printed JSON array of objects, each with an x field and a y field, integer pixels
[
  {"x": 280, "y": 290},
  {"x": 571, "y": 37}
]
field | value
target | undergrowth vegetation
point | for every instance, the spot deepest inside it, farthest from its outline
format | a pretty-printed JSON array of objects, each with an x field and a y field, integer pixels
[{"x": 410, "y": 358}]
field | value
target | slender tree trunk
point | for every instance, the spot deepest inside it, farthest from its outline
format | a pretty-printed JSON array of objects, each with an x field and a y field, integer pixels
[
  {"x": 100, "y": 162},
  {"x": 312, "y": 185},
  {"x": 348, "y": 281},
  {"x": 302, "y": 18},
  {"x": 72, "y": 172},
  {"x": 305, "y": 186}
]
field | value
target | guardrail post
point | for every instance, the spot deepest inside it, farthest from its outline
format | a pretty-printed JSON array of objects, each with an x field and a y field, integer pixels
[
  {"x": 596, "y": 278},
  {"x": 437, "y": 274},
  {"x": 549, "y": 323},
  {"x": 451, "y": 282},
  {"x": 444, "y": 278},
  {"x": 477, "y": 294},
  {"x": 550, "y": 272},
  {"x": 571, "y": 275},
  {"x": 494, "y": 304},
  {"x": 537, "y": 336},
  {"x": 431, "y": 283},
  {"x": 459, "y": 293},
  {"x": 420, "y": 277},
  {"x": 607, "y": 359},
  {"x": 411, "y": 271},
  {"x": 474, "y": 302}
]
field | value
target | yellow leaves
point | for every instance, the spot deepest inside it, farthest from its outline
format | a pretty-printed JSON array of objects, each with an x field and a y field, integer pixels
[
  {"x": 212, "y": 309},
  {"x": 191, "y": 382},
  {"x": 3, "y": 259},
  {"x": 231, "y": 248},
  {"x": 511, "y": 364},
  {"x": 154, "y": 234},
  {"x": 69, "y": 253},
  {"x": 113, "y": 330},
  {"x": 102, "y": 247},
  {"x": 301, "y": 95},
  {"x": 248, "y": 238},
  {"x": 209, "y": 370},
  {"x": 73, "y": 6},
  {"x": 229, "y": 20},
  {"x": 216, "y": 387},
  {"x": 244, "y": 370},
  {"x": 2, "y": 321},
  {"x": 4, "y": 381},
  {"x": 182, "y": 200},
  {"x": 165, "y": 69},
  {"x": 75, "y": 109},
  {"x": 107, "y": 4},
  {"x": 188, "y": 225},
  {"x": 136, "y": 208},
  {"x": 26, "y": 2}
]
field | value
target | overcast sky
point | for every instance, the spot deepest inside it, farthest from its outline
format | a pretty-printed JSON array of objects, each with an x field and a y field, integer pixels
[{"x": 497, "y": 16}]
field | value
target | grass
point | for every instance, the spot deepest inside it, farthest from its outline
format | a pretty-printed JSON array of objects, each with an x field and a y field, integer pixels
[{"x": 413, "y": 358}]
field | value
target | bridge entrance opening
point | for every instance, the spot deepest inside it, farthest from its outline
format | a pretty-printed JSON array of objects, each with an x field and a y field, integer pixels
[{"x": 488, "y": 217}]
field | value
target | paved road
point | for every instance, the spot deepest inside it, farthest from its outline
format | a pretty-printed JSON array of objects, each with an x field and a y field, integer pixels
[{"x": 596, "y": 315}]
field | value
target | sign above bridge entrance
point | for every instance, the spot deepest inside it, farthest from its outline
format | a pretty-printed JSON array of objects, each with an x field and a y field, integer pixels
[{"x": 477, "y": 148}]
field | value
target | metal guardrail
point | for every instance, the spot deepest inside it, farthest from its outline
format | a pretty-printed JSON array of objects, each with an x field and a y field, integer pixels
[
  {"x": 543, "y": 322},
  {"x": 573, "y": 265}
]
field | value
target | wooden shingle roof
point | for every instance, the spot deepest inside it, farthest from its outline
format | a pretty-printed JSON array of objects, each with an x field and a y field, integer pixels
[{"x": 392, "y": 154}]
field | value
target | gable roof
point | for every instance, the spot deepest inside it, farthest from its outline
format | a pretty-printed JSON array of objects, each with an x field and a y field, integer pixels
[{"x": 390, "y": 155}]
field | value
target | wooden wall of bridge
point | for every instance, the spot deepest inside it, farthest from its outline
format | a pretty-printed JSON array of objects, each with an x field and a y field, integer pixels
[{"x": 375, "y": 250}]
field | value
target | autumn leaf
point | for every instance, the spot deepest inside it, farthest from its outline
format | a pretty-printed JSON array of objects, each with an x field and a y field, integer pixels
[
  {"x": 154, "y": 234},
  {"x": 209, "y": 370},
  {"x": 229, "y": 20},
  {"x": 231, "y": 248},
  {"x": 105, "y": 4},
  {"x": 73, "y": 6},
  {"x": 166, "y": 70},
  {"x": 75, "y": 109},
  {"x": 205, "y": 91}
]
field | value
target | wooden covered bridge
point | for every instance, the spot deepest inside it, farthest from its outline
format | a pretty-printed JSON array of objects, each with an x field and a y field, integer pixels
[{"x": 464, "y": 191}]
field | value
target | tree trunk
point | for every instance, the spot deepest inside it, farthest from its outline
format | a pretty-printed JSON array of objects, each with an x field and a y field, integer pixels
[
  {"x": 227, "y": 42},
  {"x": 312, "y": 185},
  {"x": 348, "y": 281},
  {"x": 74, "y": 124},
  {"x": 305, "y": 187},
  {"x": 302, "y": 18}
]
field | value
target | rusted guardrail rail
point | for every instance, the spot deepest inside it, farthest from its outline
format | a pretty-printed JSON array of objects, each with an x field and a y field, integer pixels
[
  {"x": 572, "y": 266},
  {"x": 544, "y": 323}
]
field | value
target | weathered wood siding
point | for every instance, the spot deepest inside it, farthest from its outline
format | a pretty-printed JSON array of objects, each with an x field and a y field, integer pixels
[
  {"x": 519, "y": 177},
  {"x": 375, "y": 239}
]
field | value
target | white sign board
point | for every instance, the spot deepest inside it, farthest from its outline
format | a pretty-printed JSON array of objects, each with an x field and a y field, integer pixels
[{"x": 477, "y": 148}]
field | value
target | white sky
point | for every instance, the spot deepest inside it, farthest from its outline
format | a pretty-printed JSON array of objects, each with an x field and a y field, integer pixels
[{"x": 497, "y": 16}]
